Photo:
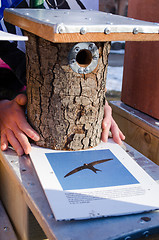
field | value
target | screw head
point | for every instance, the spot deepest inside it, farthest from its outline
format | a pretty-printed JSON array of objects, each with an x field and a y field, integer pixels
[
  {"x": 90, "y": 47},
  {"x": 5, "y": 228},
  {"x": 135, "y": 31},
  {"x": 83, "y": 31},
  {"x": 95, "y": 58},
  {"x": 127, "y": 238},
  {"x": 60, "y": 29},
  {"x": 146, "y": 233},
  {"x": 72, "y": 61},
  {"x": 80, "y": 70},
  {"x": 86, "y": 70},
  {"x": 107, "y": 30},
  {"x": 77, "y": 49}
]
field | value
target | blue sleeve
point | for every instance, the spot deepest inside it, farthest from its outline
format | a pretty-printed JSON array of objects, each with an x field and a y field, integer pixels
[{"x": 8, "y": 4}]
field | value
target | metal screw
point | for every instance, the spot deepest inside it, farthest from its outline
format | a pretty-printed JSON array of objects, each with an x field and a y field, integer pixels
[
  {"x": 86, "y": 70},
  {"x": 90, "y": 47},
  {"x": 80, "y": 70},
  {"x": 83, "y": 31},
  {"x": 60, "y": 29},
  {"x": 95, "y": 57},
  {"x": 135, "y": 31},
  {"x": 146, "y": 219},
  {"x": 72, "y": 61},
  {"x": 77, "y": 49},
  {"x": 23, "y": 169},
  {"x": 107, "y": 30},
  {"x": 5, "y": 229},
  {"x": 88, "y": 19},
  {"x": 146, "y": 233}
]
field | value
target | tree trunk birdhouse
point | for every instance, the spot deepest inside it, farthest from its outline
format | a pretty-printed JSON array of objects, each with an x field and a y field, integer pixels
[{"x": 67, "y": 58}]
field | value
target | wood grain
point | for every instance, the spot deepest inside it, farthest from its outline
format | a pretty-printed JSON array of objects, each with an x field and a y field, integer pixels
[
  {"x": 66, "y": 108},
  {"x": 6, "y": 229},
  {"x": 140, "y": 130},
  {"x": 141, "y": 73}
]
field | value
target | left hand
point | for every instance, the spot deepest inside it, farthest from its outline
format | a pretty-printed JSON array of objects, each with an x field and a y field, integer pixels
[
  {"x": 14, "y": 127},
  {"x": 109, "y": 124}
]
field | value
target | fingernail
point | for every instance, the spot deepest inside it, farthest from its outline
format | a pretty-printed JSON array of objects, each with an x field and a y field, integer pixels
[
  {"x": 3, "y": 147},
  {"x": 36, "y": 138}
]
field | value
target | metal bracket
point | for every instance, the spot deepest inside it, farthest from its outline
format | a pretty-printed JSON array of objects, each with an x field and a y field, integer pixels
[{"x": 83, "y": 57}]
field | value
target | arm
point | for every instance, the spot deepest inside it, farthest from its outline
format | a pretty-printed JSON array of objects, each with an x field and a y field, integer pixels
[
  {"x": 14, "y": 127},
  {"x": 109, "y": 124}
]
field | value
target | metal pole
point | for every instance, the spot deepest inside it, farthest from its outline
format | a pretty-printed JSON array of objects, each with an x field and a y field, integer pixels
[{"x": 36, "y": 3}]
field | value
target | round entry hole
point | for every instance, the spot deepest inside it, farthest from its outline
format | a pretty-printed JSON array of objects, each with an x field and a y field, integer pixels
[{"x": 84, "y": 57}]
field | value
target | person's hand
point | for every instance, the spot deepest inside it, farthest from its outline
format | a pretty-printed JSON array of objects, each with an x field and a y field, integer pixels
[
  {"x": 109, "y": 124},
  {"x": 14, "y": 127}
]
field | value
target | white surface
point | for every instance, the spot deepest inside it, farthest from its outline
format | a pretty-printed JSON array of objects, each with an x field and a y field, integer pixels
[
  {"x": 4, "y": 36},
  {"x": 106, "y": 205}
]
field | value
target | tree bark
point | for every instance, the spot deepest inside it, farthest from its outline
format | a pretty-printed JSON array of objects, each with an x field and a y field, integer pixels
[{"x": 66, "y": 108}]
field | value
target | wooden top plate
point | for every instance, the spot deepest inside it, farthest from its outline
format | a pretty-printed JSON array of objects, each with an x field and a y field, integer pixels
[{"x": 81, "y": 25}]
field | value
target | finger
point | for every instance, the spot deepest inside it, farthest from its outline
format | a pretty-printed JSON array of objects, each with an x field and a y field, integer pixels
[
  {"x": 24, "y": 126},
  {"x": 122, "y": 136},
  {"x": 4, "y": 142},
  {"x": 21, "y": 99},
  {"x": 107, "y": 115},
  {"x": 105, "y": 134},
  {"x": 14, "y": 142},
  {"x": 23, "y": 140},
  {"x": 118, "y": 136},
  {"x": 28, "y": 130},
  {"x": 106, "y": 123}
]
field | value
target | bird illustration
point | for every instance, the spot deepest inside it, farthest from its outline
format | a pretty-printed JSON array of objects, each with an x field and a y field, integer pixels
[{"x": 88, "y": 166}]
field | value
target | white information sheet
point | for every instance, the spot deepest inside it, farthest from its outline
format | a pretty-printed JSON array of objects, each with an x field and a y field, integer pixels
[{"x": 99, "y": 182}]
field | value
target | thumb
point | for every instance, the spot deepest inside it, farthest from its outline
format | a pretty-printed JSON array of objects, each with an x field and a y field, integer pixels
[{"x": 21, "y": 99}]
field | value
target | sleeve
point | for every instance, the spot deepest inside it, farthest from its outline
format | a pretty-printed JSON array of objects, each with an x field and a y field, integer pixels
[{"x": 11, "y": 81}]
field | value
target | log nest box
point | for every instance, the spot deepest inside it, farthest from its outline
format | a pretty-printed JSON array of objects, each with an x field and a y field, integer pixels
[{"x": 67, "y": 58}]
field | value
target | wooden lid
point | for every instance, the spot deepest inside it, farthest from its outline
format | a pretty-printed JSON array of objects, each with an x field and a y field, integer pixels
[{"x": 81, "y": 25}]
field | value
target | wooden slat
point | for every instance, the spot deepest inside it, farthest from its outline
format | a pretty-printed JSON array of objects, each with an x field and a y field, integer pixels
[
  {"x": 6, "y": 229},
  {"x": 140, "y": 78},
  {"x": 47, "y": 32},
  {"x": 17, "y": 200},
  {"x": 140, "y": 129}
]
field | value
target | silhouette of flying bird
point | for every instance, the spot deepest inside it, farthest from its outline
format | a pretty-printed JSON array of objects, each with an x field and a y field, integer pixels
[{"x": 88, "y": 166}]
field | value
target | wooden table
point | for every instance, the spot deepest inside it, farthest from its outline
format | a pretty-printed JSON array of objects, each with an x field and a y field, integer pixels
[
  {"x": 6, "y": 230},
  {"x": 140, "y": 129},
  {"x": 31, "y": 216}
]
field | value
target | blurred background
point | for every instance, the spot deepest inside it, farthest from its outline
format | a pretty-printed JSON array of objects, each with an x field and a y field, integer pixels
[{"x": 116, "y": 56}]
